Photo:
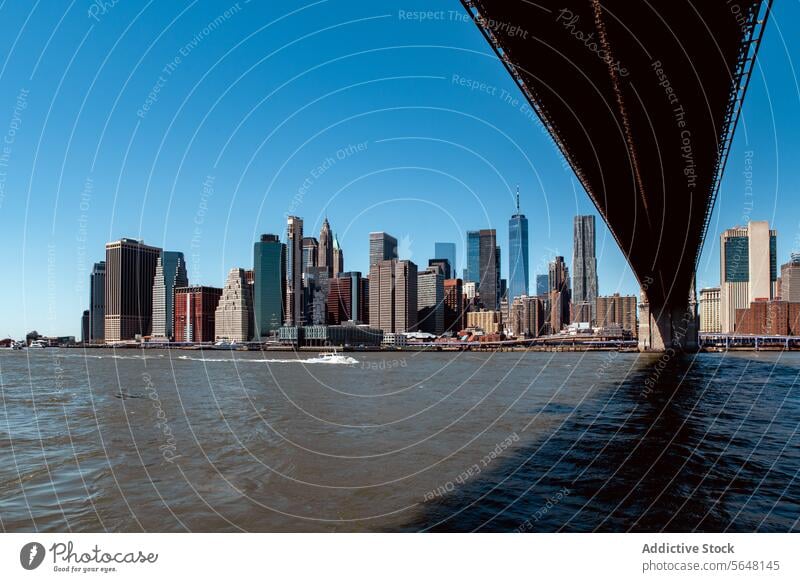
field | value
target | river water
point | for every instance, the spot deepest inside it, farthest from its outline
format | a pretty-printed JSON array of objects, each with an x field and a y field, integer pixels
[{"x": 130, "y": 440}]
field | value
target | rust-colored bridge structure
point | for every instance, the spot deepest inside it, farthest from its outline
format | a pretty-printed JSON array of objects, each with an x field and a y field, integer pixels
[{"x": 642, "y": 98}]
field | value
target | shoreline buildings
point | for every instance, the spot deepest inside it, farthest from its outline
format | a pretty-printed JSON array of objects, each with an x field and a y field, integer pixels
[
  {"x": 195, "y": 313},
  {"x": 709, "y": 310},
  {"x": 170, "y": 274},
  {"x": 97, "y": 303},
  {"x": 269, "y": 284},
  {"x": 748, "y": 269},
  {"x": 233, "y": 316},
  {"x": 617, "y": 311},
  {"x": 790, "y": 279},
  {"x": 430, "y": 300},
  {"x": 130, "y": 269}
]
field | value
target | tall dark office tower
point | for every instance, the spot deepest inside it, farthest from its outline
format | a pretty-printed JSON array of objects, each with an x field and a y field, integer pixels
[
  {"x": 382, "y": 247},
  {"x": 310, "y": 253},
  {"x": 489, "y": 282},
  {"x": 381, "y": 294},
  {"x": 85, "y": 327},
  {"x": 584, "y": 268},
  {"x": 170, "y": 273},
  {"x": 446, "y": 250},
  {"x": 97, "y": 302},
  {"x": 269, "y": 284},
  {"x": 338, "y": 257},
  {"x": 130, "y": 269},
  {"x": 405, "y": 312},
  {"x": 430, "y": 300},
  {"x": 500, "y": 284},
  {"x": 325, "y": 260},
  {"x": 542, "y": 286},
  {"x": 294, "y": 271},
  {"x": 346, "y": 299},
  {"x": 517, "y": 254},
  {"x": 473, "y": 270},
  {"x": 559, "y": 294}
]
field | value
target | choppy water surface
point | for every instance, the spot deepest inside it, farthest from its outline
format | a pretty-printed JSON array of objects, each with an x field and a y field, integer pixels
[{"x": 174, "y": 441}]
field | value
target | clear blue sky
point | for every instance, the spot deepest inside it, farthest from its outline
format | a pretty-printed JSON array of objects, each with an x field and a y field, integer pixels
[{"x": 256, "y": 103}]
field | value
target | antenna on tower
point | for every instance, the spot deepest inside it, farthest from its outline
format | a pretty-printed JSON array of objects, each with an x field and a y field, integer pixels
[{"x": 517, "y": 198}]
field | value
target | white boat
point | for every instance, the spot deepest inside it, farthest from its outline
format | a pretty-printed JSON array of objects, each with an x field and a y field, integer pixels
[
  {"x": 38, "y": 344},
  {"x": 333, "y": 358}
]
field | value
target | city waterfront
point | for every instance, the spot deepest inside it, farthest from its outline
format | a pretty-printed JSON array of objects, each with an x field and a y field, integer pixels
[{"x": 156, "y": 440}]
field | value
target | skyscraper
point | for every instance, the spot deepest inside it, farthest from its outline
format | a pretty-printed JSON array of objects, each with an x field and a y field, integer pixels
[
  {"x": 489, "y": 282},
  {"x": 170, "y": 273},
  {"x": 527, "y": 316},
  {"x": 790, "y": 279},
  {"x": 473, "y": 271},
  {"x": 347, "y": 300},
  {"x": 381, "y": 294},
  {"x": 233, "y": 317},
  {"x": 558, "y": 278},
  {"x": 453, "y": 305},
  {"x": 130, "y": 269},
  {"x": 430, "y": 300},
  {"x": 382, "y": 247},
  {"x": 310, "y": 253},
  {"x": 97, "y": 302},
  {"x": 584, "y": 268},
  {"x": 748, "y": 269},
  {"x": 294, "y": 271},
  {"x": 269, "y": 280},
  {"x": 325, "y": 260},
  {"x": 338, "y": 257},
  {"x": 405, "y": 311},
  {"x": 316, "y": 284},
  {"x": 446, "y": 250},
  {"x": 85, "y": 327},
  {"x": 618, "y": 310},
  {"x": 195, "y": 313},
  {"x": 518, "y": 275},
  {"x": 393, "y": 295}
]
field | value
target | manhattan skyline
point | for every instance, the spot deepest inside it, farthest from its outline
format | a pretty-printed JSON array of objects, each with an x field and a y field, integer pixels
[{"x": 392, "y": 140}]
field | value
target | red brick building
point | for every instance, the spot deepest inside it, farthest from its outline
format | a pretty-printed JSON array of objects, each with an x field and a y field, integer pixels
[
  {"x": 453, "y": 305},
  {"x": 340, "y": 300},
  {"x": 769, "y": 318},
  {"x": 194, "y": 313}
]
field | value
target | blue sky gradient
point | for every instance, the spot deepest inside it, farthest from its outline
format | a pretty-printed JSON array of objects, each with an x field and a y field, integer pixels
[{"x": 199, "y": 125}]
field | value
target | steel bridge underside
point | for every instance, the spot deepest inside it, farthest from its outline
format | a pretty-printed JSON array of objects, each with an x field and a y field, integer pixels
[{"x": 641, "y": 98}]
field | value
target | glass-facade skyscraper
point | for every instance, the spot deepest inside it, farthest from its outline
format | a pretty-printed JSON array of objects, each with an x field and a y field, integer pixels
[
  {"x": 170, "y": 274},
  {"x": 518, "y": 275},
  {"x": 446, "y": 250},
  {"x": 269, "y": 266},
  {"x": 748, "y": 269},
  {"x": 473, "y": 256},
  {"x": 97, "y": 302}
]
